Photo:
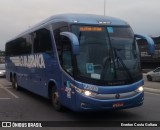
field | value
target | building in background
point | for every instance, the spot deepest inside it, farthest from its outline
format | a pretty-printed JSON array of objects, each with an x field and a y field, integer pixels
[
  {"x": 149, "y": 61},
  {"x": 2, "y": 54}
]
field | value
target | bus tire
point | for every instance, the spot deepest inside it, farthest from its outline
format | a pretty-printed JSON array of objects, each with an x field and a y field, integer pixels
[
  {"x": 55, "y": 100},
  {"x": 14, "y": 83}
]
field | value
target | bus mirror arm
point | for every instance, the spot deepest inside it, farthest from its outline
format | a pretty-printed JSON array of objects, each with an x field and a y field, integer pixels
[
  {"x": 150, "y": 43},
  {"x": 74, "y": 41}
]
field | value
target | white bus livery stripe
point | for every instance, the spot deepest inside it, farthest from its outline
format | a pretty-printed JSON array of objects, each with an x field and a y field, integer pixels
[{"x": 30, "y": 61}]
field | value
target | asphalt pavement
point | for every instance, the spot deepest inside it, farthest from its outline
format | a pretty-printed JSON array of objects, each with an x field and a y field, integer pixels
[
  {"x": 25, "y": 106},
  {"x": 151, "y": 86}
]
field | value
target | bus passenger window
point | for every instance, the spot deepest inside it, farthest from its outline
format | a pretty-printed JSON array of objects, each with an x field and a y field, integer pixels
[
  {"x": 42, "y": 41},
  {"x": 66, "y": 56}
]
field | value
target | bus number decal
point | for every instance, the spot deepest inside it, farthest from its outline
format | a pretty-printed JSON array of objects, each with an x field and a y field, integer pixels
[{"x": 91, "y": 87}]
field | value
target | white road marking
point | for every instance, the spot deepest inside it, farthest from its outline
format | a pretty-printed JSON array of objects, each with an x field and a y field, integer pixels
[
  {"x": 14, "y": 95},
  {"x": 4, "y": 98},
  {"x": 5, "y": 87},
  {"x": 151, "y": 90},
  {"x": 152, "y": 93}
]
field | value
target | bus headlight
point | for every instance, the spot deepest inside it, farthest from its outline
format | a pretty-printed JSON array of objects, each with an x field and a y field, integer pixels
[
  {"x": 85, "y": 92},
  {"x": 139, "y": 89}
]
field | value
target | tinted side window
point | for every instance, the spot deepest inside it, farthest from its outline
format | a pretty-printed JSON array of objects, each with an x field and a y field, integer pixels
[
  {"x": 28, "y": 43},
  {"x": 20, "y": 46},
  {"x": 57, "y": 29},
  {"x": 42, "y": 41},
  {"x": 157, "y": 70},
  {"x": 67, "y": 55},
  {"x": 8, "y": 49}
]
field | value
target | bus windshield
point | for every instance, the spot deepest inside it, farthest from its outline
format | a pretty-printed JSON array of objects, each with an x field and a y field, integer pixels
[{"x": 107, "y": 53}]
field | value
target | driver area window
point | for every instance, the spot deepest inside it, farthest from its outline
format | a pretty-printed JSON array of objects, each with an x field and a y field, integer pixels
[{"x": 67, "y": 56}]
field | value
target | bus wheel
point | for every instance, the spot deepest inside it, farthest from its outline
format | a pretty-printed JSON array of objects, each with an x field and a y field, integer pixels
[
  {"x": 55, "y": 100},
  {"x": 14, "y": 83}
]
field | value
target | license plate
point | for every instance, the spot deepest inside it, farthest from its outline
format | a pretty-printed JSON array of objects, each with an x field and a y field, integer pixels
[{"x": 119, "y": 104}]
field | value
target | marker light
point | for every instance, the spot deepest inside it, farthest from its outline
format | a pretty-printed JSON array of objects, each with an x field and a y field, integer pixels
[
  {"x": 104, "y": 22},
  {"x": 75, "y": 21},
  {"x": 140, "y": 89}
]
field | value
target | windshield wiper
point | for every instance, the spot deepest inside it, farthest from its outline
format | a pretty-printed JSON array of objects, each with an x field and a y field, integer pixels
[
  {"x": 108, "y": 62},
  {"x": 119, "y": 59}
]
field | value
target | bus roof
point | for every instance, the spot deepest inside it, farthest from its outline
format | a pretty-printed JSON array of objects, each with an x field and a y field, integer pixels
[
  {"x": 79, "y": 19},
  {"x": 84, "y": 19}
]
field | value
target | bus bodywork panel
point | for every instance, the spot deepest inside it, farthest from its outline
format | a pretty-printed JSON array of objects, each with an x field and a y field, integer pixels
[{"x": 34, "y": 72}]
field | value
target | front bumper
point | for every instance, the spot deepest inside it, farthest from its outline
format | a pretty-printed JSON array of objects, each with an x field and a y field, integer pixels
[{"x": 84, "y": 103}]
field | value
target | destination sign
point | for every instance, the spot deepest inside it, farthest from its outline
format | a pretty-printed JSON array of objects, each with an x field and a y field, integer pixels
[{"x": 98, "y": 29}]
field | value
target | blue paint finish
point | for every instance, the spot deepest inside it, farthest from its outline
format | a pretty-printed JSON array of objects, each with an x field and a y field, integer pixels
[
  {"x": 113, "y": 89},
  {"x": 81, "y": 18},
  {"x": 95, "y": 104},
  {"x": 74, "y": 40},
  {"x": 121, "y": 88}
]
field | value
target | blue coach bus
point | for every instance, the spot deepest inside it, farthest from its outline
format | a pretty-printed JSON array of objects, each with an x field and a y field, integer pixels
[{"x": 80, "y": 61}]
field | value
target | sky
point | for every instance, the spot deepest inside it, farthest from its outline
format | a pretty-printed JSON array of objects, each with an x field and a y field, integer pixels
[{"x": 18, "y": 15}]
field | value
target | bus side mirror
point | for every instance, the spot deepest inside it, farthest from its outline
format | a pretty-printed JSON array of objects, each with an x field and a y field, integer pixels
[
  {"x": 150, "y": 43},
  {"x": 73, "y": 41}
]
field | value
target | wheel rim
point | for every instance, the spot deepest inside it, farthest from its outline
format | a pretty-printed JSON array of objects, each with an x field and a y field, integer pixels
[
  {"x": 55, "y": 100},
  {"x": 13, "y": 82},
  {"x": 16, "y": 85}
]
